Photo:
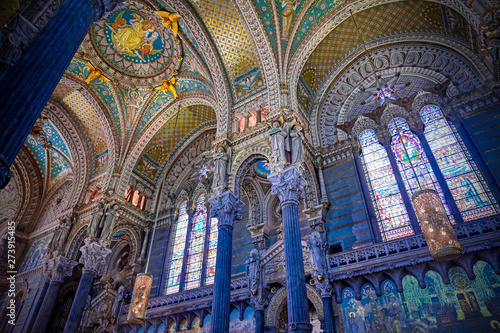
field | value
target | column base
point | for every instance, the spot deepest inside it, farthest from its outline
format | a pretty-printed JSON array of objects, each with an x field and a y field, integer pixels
[
  {"x": 4, "y": 174},
  {"x": 300, "y": 327}
]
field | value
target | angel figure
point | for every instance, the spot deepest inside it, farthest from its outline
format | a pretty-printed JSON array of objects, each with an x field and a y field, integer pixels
[
  {"x": 169, "y": 20},
  {"x": 289, "y": 7},
  {"x": 168, "y": 85},
  {"x": 297, "y": 145},
  {"x": 280, "y": 142},
  {"x": 95, "y": 73},
  {"x": 222, "y": 167}
]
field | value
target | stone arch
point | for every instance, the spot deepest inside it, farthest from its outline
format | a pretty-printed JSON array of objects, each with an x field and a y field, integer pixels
[
  {"x": 331, "y": 105},
  {"x": 137, "y": 147},
  {"x": 254, "y": 202},
  {"x": 133, "y": 238},
  {"x": 279, "y": 300},
  {"x": 240, "y": 165},
  {"x": 75, "y": 242}
]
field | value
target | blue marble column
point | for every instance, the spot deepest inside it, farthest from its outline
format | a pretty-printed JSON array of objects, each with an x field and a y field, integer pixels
[
  {"x": 258, "y": 305},
  {"x": 28, "y": 84},
  {"x": 325, "y": 289},
  {"x": 37, "y": 303},
  {"x": 58, "y": 268},
  {"x": 227, "y": 208},
  {"x": 94, "y": 256},
  {"x": 289, "y": 186}
]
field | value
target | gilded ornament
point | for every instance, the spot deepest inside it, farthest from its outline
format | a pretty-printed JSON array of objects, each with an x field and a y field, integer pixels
[
  {"x": 169, "y": 20},
  {"x": 95, "y": 73},
  {"x": 168, "y": 85}
]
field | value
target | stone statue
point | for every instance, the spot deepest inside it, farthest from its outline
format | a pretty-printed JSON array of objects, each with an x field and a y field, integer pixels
[
  {"x": 296, "y": 137},
  {"x": 93, "y": 227},
  {"x": 280, "y": 141},
  {"x": 316, "y": 247},
  {"x": 61, "y": 234},
  {"x": 117, "y": 305},
  {"x": 222, "y": 167},
  {"x": 254, "y": 270},
  {"x": 108, "y": 221}
]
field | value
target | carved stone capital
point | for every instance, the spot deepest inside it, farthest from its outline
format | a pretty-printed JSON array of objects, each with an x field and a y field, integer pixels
[
  {"x": 58, "y": 268},
  {"x": 259, "y": 303},
  {"x": 325, "y": 289},
  {"x": 227, "y": 207},
  {"x": 94, "y": 255},
  {"x": 288, "y": 184},
  {"x": 316, "y": 216}
]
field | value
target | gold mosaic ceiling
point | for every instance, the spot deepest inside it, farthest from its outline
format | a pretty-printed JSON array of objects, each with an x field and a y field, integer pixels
[
  {"x": 175, "y": 132},
  {"x": 379, "y": 22}
]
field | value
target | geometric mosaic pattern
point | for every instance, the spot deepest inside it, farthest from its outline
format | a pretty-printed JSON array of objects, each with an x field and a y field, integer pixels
[
  {"x": 171, "y": 135},
  {"x": 375, "y": 23}
]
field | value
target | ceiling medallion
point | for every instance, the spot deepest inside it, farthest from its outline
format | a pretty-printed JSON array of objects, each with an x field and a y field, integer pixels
[{"x": 132, "y": 45}]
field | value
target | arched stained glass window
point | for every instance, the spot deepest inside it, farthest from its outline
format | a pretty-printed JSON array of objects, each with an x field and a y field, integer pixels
[
  {"x": 196, "y": 245},
  {"x": 212, "y": 250},
  {"x": 177, "y": 254},
  {"x": 391, "y": 212},
  {"x": 413, "y": 163},
  {"x": 467, "y": 186}
]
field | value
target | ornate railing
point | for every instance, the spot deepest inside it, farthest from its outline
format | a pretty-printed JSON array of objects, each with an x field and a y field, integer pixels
[{"x": 404, "y": 247}]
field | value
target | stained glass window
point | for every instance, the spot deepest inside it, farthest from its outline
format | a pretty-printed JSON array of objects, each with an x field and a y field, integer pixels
[
  {"x": 389, "y": 206},
  {"x": 196, "y": 245},
  {"x": 212, "y": 250},
  {"x": 203, "y": 171},
  {"x": 177, "y": 254},
  {"x": 413, "y": 163},
  {"x": 466, "y": 184}
]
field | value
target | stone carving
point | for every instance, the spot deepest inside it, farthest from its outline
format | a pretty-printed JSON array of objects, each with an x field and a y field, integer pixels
[
  {"x": 93, "y": 227},
  {"x": 227, "y": 207},
  {"x": 317, "y": 249},
  {"x": 58, "y": 242},
  {"x": 254, "y": 270},
  {"x": 289, "y": 184},
  {"x": 222, "y": 162},
  {"x": 280, "y": 142},
  {"x": 297, "y": 146},
  {"x": 94, "y": 255},
  {"x": 59, "y": 267},
  {"x": 117, "y": 305},
  {"x": 108, "y": 221},
  {"x": 490, "y": 27}
]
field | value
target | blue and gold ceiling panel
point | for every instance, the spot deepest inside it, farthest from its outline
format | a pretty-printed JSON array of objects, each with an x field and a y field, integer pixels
[
  {"x": 107, "y": 95},
  {"x": 59, "y": 167},
  {"x": 288, "y": 11},
  {"x": 383, "y": 21},
  {"x": 133, "y": 101},
  {"x": 266, "y": 13},
  {"x": 193, "y": 66},
  {"x": 55, "y": 138},
  {"x": 39, "y": 152},
  {"x": 164, "y": 142},
  {"x": 79, "y": 68}
]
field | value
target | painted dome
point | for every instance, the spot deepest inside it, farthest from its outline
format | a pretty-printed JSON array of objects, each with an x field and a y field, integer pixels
[{"x": 132, "y": 44}]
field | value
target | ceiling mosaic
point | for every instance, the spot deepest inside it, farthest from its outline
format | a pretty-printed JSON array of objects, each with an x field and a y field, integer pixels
[
  {"x": 90, "y": 123},
  {"x": 39, "y": 152},
  {"x": 133, "y": 46},
  {"x": 170, "y": 137},
  {"x": 380, "y": 22},
  {"x": 9, "y": 201},
  {"x": 234, "y": 45}
]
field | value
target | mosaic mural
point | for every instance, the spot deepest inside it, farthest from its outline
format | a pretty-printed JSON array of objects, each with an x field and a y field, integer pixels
[
  {"x": 235, "y": 325},
  {"x": 265, "y": 11},
  {"x": 34, "y": 254},
  {"x": 132, "y": 100},
  {"x": 399, "y": 18},
  {"x": 9, "y": 201},
  {"x": 192, "y": 65},
  {"x": 134, "y": 41},
  {"x": 288, "y": 10},
  {"x": 39, "y": 152},
  {"x": 462, "y": 306}
]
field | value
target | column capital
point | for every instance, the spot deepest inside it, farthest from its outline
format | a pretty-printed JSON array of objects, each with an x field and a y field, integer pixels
[
  {"x": 259, "y": 303},
  {"x": 288, "y": 184},
  {"x": 58, "y": 268},
  {"x": 325, "y": 289},
  {"x": 227, "y": 207},
  {"x": 94, "y": 255}
]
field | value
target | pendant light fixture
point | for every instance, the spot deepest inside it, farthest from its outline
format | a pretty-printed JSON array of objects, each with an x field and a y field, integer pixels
[
  {"x": 438, "y": 231},
  {"x": 144, "y": 281}
]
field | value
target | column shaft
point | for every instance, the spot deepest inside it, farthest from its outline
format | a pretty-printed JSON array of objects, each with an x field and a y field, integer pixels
[
  {"x": 28, "y": 84},
  {"x": 298, "y": 308},
  {"x": 221, "y": 303},
  {"x": 46, "y": 308},
  {"x": 37, "y": 303},
  {"x": 329, "y": 316},
  {"x": 259, "y": 321},
  {"x": 76, "y": 313}
]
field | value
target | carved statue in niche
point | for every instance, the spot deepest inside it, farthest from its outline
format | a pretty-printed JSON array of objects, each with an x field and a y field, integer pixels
[
  {"x": 280, "y": 142},
  {"x": 317, "y": 249},
  {"x": 254, "y": 270},
  {"x": 108, "y": 221},
  {"x": 222, "y": 167},
  {"x": 117, "y": 305},
  {"x": 93, "y": 227},
  {"x": 122, "y": 278},
  {"x": 297, "y": 145},
  {"x": 60, "y": 237}
]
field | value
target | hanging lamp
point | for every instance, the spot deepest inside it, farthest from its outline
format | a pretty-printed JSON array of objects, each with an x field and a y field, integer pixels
[
  {"x": 144, "y": 281},
  {"x": 438, "y": 231}
]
